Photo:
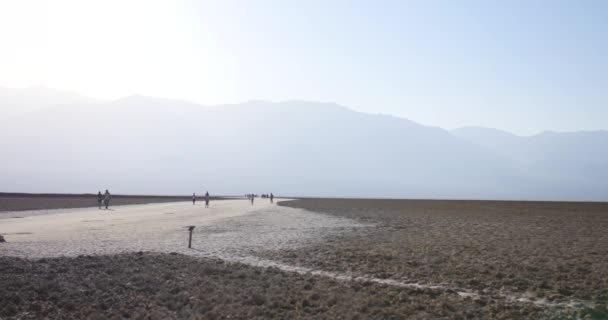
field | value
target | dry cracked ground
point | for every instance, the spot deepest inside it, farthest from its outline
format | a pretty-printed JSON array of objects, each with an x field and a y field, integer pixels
[{"x": 337, "y": 259}]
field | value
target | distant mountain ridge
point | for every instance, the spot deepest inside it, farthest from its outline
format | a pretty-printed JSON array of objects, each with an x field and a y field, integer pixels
[
  {"x": 571, "y": 156},
  {"x": 24, "y": 100},
  {"x": 150, "y": 145}
]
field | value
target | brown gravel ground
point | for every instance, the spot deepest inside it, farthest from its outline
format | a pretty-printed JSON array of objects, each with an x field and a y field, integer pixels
[
  {"x": 552, "y": 250},
  {"x": 26, "y": 201},
  {"x": 169, "y": 286}
]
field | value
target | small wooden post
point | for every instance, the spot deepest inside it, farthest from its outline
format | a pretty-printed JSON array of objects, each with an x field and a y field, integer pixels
[{"x": 190, "y": 228}]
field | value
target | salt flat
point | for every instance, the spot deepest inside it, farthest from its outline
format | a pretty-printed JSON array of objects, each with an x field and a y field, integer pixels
[
  {"x": 71, "y": 223},
  {"x": 229, "y": 229},
  {"x": 351, "y": 241}
]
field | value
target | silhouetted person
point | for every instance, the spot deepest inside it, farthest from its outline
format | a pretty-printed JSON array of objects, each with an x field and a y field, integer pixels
[
  {"x": 271, "y": 198},
  {"x": 106, "y": 198},
  {"x": 193, "y": 198},
  {"x": 252, "y": 199},
  {"x": 207, "y": 199},
  {"x": 99, "y": 199}
]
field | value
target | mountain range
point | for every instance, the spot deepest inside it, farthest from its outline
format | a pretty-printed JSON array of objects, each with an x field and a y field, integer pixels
[{"x": 54, "y": 141}]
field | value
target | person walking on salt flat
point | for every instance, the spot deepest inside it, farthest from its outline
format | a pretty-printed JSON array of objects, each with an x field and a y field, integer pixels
[
  {"x": 207, "y": 199},
  {"x": 99, "y": 199},
  {"x": 106, "y": 198}
]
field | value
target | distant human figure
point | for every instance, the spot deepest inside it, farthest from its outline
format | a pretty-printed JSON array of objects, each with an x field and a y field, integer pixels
[
  {"x": 271, "y": 198},
  {"x": 252, "y": 196},
  {"x": 207, "y": 199},
  {"x": 99, "y": 199},
  {"x": 106, "y": 198},
  {"x": 193, "y": 198}
]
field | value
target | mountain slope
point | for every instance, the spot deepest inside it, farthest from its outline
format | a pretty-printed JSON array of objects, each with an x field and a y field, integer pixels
[
  {"x": 577, "y": 158},
  {"x": 149, "y": 145},
  {"x": 24, "y": 100}
]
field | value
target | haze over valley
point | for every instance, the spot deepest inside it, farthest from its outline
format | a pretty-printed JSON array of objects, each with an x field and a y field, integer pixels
[{"x": 56, "y": 141}]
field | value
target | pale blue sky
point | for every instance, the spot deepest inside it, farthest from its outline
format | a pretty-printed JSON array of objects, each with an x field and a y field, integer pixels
[{"x": 522, "y": 66}]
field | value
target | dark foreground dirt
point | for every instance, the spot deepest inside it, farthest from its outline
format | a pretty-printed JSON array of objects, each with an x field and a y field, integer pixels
[
  {"x": 557, "y": 251},
  {"x": 25, "y": 201},
  {"x": 169, "y": 286}
]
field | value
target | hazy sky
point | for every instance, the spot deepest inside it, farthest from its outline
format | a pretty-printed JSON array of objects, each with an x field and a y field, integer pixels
[{"x": 523, "y": 66}]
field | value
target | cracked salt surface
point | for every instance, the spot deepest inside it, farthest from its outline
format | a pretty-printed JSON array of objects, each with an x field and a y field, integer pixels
[{"x": 232, "y": 230}]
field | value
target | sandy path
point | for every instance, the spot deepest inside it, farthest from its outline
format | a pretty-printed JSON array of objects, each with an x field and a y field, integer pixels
[
  {"x": 228, "y": 229},
  {"x": 120, "y": 220}
]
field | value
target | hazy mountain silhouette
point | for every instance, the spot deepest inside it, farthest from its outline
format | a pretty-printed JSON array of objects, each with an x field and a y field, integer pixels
[
  {"x": 24, "y": 100},
  {"x": 576, "y": 158},
  {"x": 149, "y": 145}
]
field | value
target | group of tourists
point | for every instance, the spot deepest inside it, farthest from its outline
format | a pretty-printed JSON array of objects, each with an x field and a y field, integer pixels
[
  {"x": 268, "y": 196},
  {"x": 104, "y": 199},
  {"x": 252, "y": 196},
  {"x": 206, "y": 199}
]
